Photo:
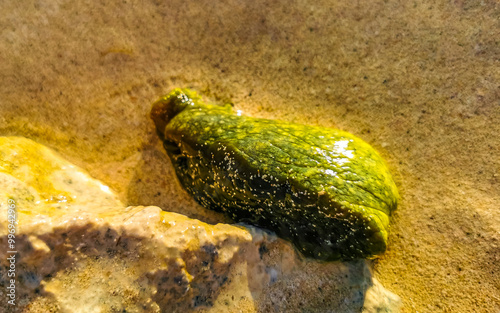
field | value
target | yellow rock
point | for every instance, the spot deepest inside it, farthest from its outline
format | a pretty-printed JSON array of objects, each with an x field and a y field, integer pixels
[{"x": 79, "y": 248}]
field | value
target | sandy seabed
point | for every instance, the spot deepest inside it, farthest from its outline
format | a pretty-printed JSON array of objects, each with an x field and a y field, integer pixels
[{"x": 419, "y": 80}]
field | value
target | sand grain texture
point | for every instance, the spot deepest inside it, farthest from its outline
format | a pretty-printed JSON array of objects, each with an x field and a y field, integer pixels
[{"x": 418, "y": 80}]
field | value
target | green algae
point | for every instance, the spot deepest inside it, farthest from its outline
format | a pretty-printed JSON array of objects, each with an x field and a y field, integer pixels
[{"x": 327, "y": 191}]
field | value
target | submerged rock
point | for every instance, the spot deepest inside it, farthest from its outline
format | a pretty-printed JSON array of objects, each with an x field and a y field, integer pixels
[
  {"x": 78, "y": 248},
  {"x": 325, "y": 190}
]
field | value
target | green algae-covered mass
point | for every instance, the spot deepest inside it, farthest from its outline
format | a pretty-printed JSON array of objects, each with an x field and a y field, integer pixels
[{"x": 327, "y": 191}]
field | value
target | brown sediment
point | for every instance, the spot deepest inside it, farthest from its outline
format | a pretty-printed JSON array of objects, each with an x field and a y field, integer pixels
[{"x": 418, "y": 81}]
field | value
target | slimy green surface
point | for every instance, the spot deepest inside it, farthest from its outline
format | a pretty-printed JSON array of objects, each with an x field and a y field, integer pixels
[{"x": 327, "y": 191}]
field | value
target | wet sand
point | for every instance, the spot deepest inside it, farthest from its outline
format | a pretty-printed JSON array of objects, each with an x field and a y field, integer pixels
[{"x": 420, "y": 81}]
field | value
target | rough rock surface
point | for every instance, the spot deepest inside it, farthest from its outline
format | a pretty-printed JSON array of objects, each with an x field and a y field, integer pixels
[
  {"x": 418, "y": 80},
  {"x": 80, "y": 250}
]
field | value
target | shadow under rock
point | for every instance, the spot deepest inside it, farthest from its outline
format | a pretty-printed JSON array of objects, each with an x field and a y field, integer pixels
[
  {"x": 155, "y": 183},
  {"x": 299, "y": 284}
]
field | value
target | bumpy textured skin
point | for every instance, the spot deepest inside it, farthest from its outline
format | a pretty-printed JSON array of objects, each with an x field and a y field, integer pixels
[{"x": 327, "y": 191}]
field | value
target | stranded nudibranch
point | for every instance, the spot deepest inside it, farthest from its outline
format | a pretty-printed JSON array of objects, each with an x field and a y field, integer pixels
[{"x": 327, "y": 191}]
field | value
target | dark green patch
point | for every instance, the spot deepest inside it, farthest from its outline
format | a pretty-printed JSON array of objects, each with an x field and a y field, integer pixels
[{"x": 326, "y": 190}]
